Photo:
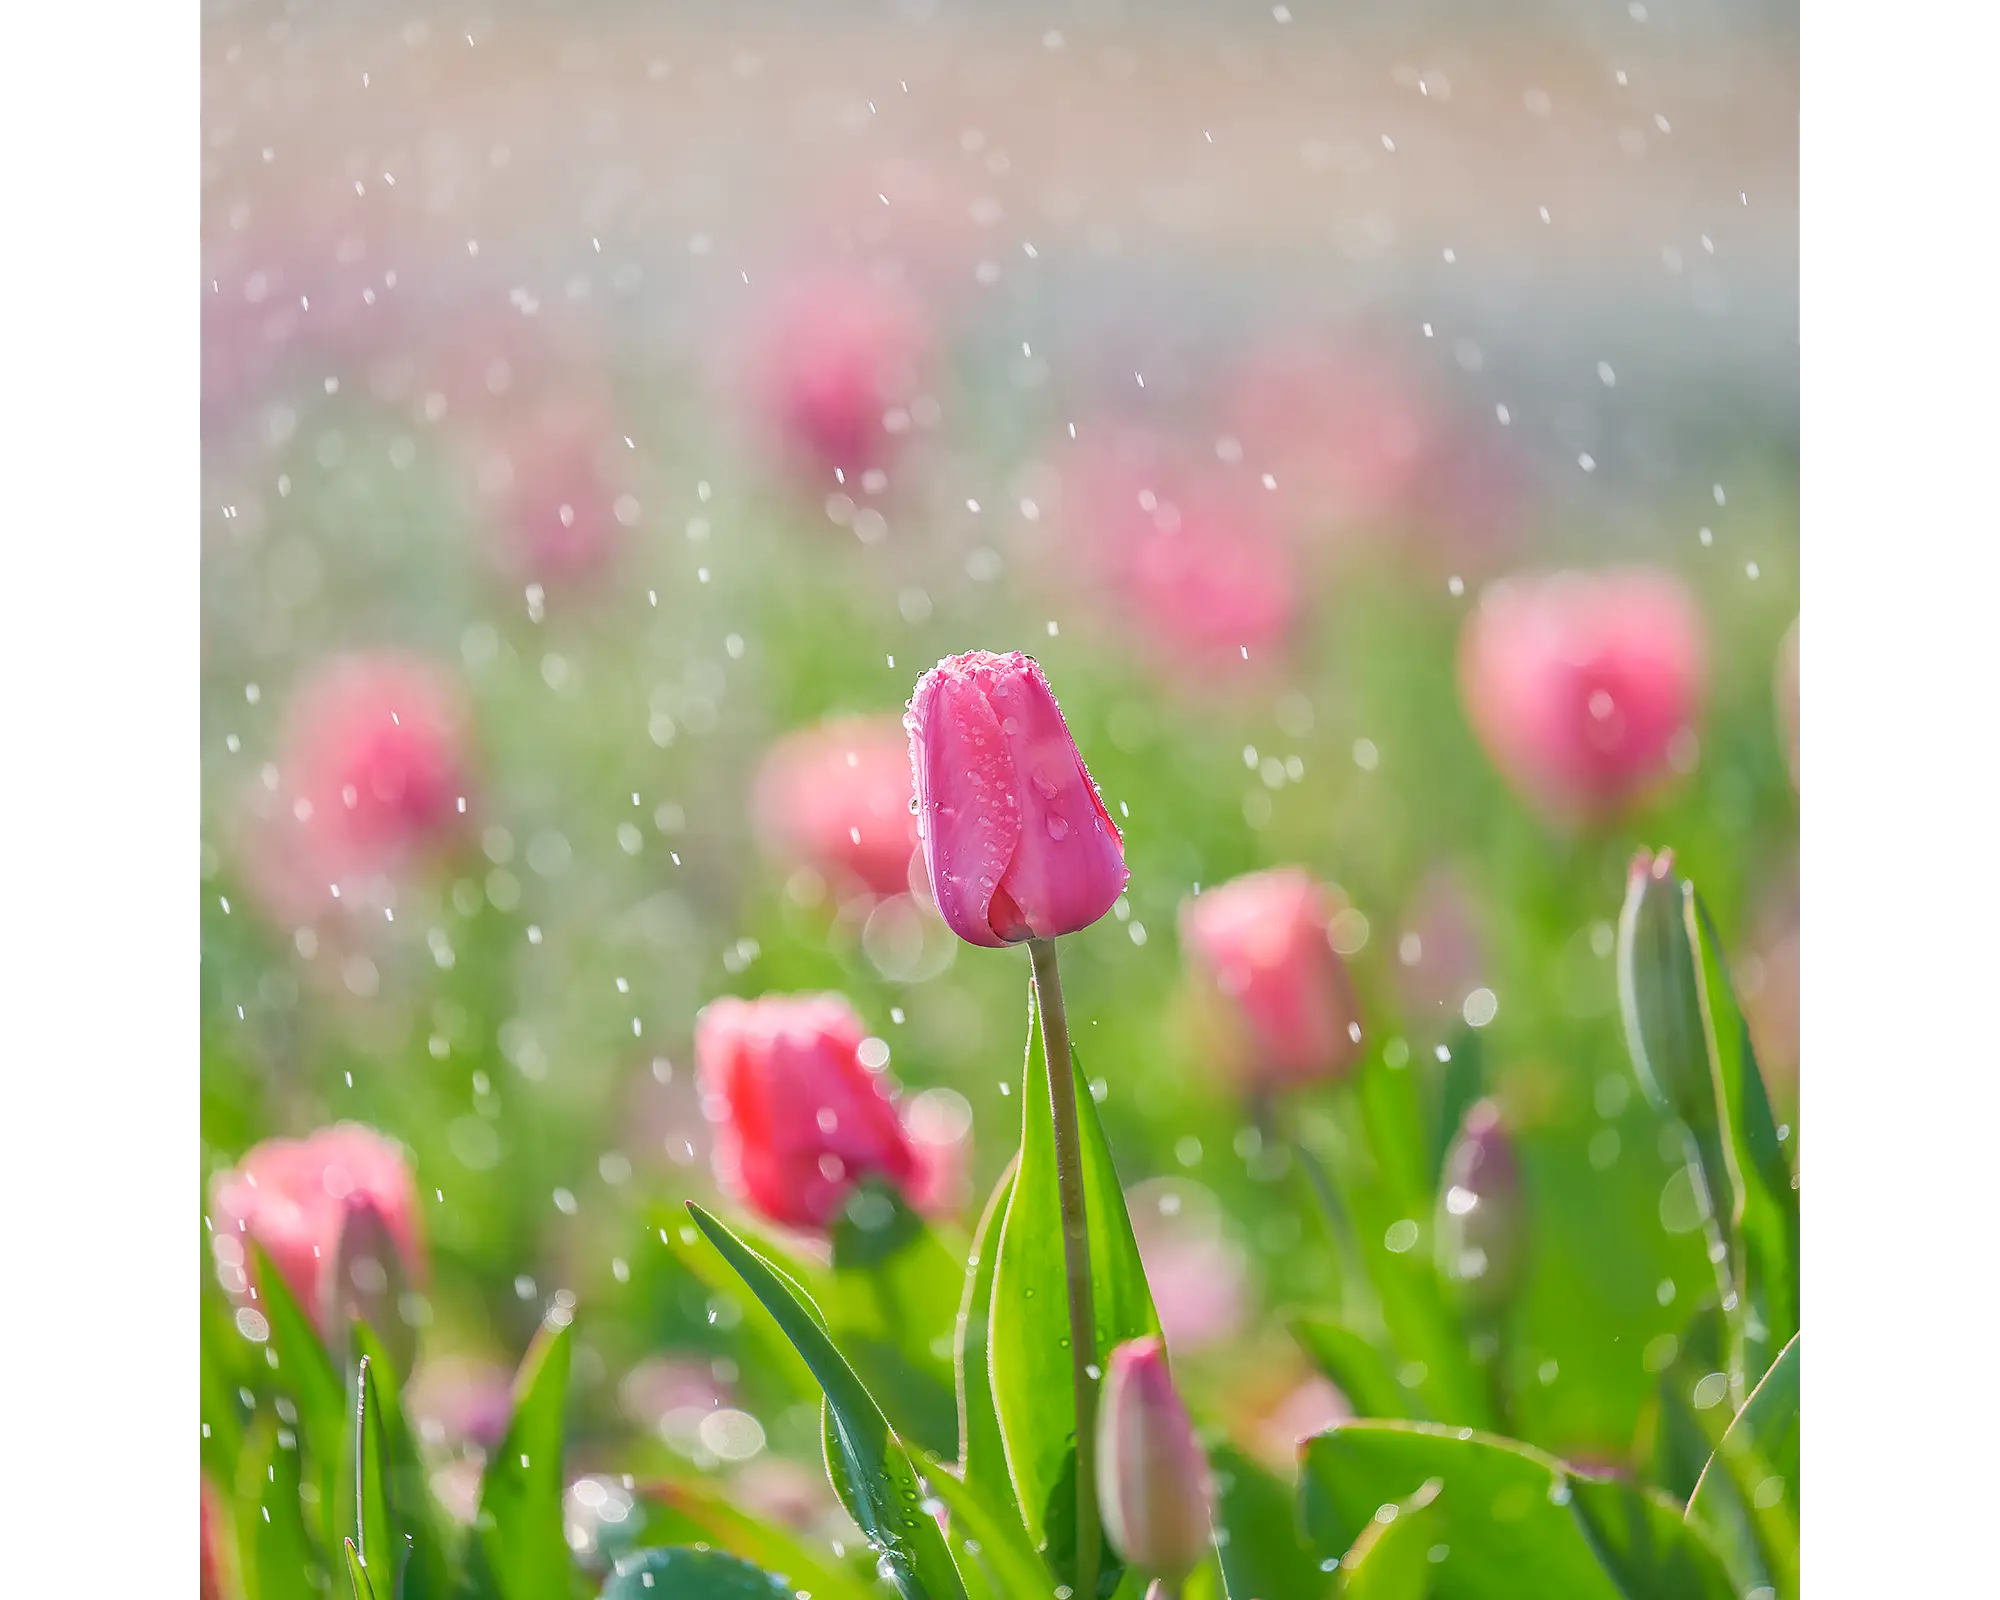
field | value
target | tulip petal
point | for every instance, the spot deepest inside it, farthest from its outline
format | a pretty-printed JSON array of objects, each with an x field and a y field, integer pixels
[{"x": 968, "y": 812}]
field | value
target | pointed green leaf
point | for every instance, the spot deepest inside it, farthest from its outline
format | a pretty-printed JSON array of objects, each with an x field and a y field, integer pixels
[
  {"x": 982, "y": 1455},
  {"x": 426, "y": 1568},
  {"x": 518, "y": 1547},
  {"x": 1263, "y": 1552},
  {"x": 304, "y": 1371},
  {"x": 357, "y": 1573},
  {"x": 1356, "y": 1368},
  {"x": 695, "y": 1510},
  {"x": 1747, "y": 1501},
  {"x": 682, "y": 1574},
  {"x": 882, "y": 1490},
  {"x": 1639, "y": 1537},
  {"x": 1028, "y": 1330},
  {"x": 1005, "y": 1559},
  {"x": 374, "y": 1527},
  {"x": 1397, "y": 1558},
  {"x": 274, "y": 1552}
]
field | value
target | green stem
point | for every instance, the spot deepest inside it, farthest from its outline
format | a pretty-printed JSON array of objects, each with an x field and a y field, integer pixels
[{"x": 1076, "y": 1256}]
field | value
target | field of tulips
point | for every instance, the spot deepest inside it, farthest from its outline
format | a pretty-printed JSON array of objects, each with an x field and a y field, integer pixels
[{"x": 838, "y": 963}]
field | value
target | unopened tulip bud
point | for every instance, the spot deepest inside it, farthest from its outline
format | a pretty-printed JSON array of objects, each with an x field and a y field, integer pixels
[
  {"x": 1584, "y": 687},
  {"x": 1481, "y": 1225},
  {"x": 1152, "y": 1477},
  {"x": 1015, "y": 835},
  {"x": 799, "y": 1118},
  {"x": 1261, "y": 944},
  {"x": 296, "y": 1198}
]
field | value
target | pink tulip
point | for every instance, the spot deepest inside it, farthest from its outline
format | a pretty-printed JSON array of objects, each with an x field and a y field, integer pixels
[
  {"x": 296, "y": 1197},
  {"x": 837, "y": 798},
  {"x": 371, "y": 774},
  {"x": 1261, "y": 943},
  {"x": 1583, "y": 687},
  {"x": 1190, "y": 560},
  {"x": 1152, "y": 1478},
  {"x": 839, "y": 354},
  {"x": 1015, "y": 835},
  {"x": 799, "y": 1119}
]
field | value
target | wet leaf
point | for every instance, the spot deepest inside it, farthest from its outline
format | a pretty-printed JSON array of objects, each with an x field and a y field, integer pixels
[
  {"x": 518, "y": 1547},
  {"x": 1747, "y": 1501}
]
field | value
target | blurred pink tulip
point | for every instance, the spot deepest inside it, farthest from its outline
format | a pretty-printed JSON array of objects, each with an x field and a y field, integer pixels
[
  {"x": 839, "y": 354},
  {"x": 938, "y": 1123},
  {"x": 837, "y": 797},
  {"x": 1584, "y": 687},
  {"x": 1189, "y": 559},
  {"x": 544, "y": 476},
  {"x": 1015, "y": 835},
  {"x": 1152, "y": 1477},
  {"x": 295, "y": 1198},
  {"x": 371, "y": 774},
  {"x": 1306, "y": 1408},
  {"x": 455, "y": 1401},
  {"x": 799, "y": 1120},
  {"x": 1199, "y": 1278},
  {"x": 1261, "y": 944}
]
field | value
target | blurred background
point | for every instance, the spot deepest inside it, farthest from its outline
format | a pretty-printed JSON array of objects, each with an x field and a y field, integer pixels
[{"x": 628, "y": 388}]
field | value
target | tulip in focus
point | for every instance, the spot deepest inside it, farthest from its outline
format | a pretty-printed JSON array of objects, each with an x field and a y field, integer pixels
[
  {"x": 1260, "y": 943},
  {"x": 1584, "y": 687},
  {"x": 307, "y": 1202},
  {"x": 799, "y": 1118},
  {"x": 371, "y": 775},
  {"x": 1481, "y": 1226},
  {"x": 840, "y": 354},
  {"x": 837, "y": 799},
  {"x": 1015, "y": 835},
  {"x": 1152, "y": 1478}
]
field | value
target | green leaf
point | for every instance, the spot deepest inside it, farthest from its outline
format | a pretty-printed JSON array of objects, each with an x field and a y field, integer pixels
[
  {"x": 1510, "y": 1530},
  {"x": 708, "y": 1269},
  {"x": 357, "y": 1572},
  {"x": 374, "y": 1527},
  {"x": 304, "y": 1371},
  {"x": 1028, "y": 1330},
  {"x": 690, "y": 1510},
  {"x": 427, "y": 1566},
  {"x": 273, "y": 1550},
  {"x": 1356, "y": 1368},
  {"x": 982, "y": 1455},
  {"x": 1640, "y": 1538},
  {"x": 223, "y": 1376},
  {"x": 1004, "y": 1558},
  {"x": 1747, "y": 1501},
  {"x": 865, "y": 1458},
  {"x": 518, "y": 1547},
  {"x": 1264, "y": 1555},
  {"x": 681, "y": 1574},
  {"x": 1392, "y": 1559}
]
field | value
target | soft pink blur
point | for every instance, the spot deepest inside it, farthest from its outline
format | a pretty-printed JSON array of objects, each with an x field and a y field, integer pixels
[
  {"x": 1016, "y": 839},
  {"x": 1199, "y": 1277},
  {"x": 798, "y": 1119},
  {"x": 371, "y": 774},
  {"x": 292, "y": 1197},
  {"x": 1152, "y": 1477},
  {"x": 1276, "y": 1429},
  {"x": 455, "y": 1401},
  {"x": 548, "y": 496},
  {"x": 938, "y": 1124},
  {"x": 1438, "y": 960},
  {"x": 1584, "y": 687},
  {"x": 211, "y": 1544},
  {"x": 1187, "y": 557},
  {"x": 837, "y": 798},
  {"x": 1767, "y": 985},
  {"x": 1260, "y": 943},
  {"x": 838, "y": 355}
]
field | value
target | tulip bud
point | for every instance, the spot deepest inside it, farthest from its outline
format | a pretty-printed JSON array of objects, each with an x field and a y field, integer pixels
[
  {"x": 1261, "y": 944},
  {"x": 799, "y": 1119},
  {"x": 1152, "y": 1478},
  {"x": 837, "y": 799},
  {"x": 297, "y": 1198},
  {"x": 366, "y": 1283},
  {"x": 1480, "y": 1223},
  {"x": 1015, "y": 835},
  {"x": 1583, "y": 688}
]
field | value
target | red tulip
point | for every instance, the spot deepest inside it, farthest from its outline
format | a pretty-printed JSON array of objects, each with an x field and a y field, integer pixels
[
  {"x": 371, "y": 773},
  {"x": 1583, "y": 687},
  {"x": 799, "y": 1120},
  {"x": 837, "y": 798},
  {"x": 1260, "y": 942},
  {"x": 839, "y": 354},
  {"x": 297, "y": 1198},
  {"x": 1015, "y": 835},
  {"x": 1152, "y": 1478}
]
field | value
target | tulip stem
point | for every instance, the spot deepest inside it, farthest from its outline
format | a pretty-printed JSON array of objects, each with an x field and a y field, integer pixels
[{"x": 1076, "y": 1255}]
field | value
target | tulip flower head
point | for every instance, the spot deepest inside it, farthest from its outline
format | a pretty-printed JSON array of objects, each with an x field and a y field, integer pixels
[
  {"x": 840, "y": 354},
  {"x": 1584, "y": 688},
  {"x": 836, "y": 798},
  {"x": 1152, "y": 1477},
  {"x": 309, "y": 1203},
  {"x": 1260, "y": 944},
  {"x": 799, "y": 1118},
  {"x": 1480, "y": 1224},
  {"x": 1015, "y": 835}
]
